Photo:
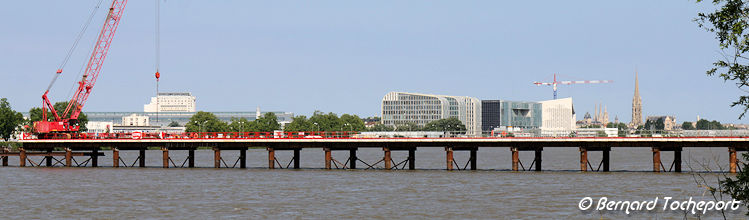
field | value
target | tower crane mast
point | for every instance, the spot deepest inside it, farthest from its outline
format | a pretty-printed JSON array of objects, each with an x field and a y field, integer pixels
[
  {"x": 554, "y": 83},
  {"x": 68, "y": 120}
]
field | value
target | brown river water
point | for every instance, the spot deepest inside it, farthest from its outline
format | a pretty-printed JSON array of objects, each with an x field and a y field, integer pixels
[{"x": 493, "y": 192}]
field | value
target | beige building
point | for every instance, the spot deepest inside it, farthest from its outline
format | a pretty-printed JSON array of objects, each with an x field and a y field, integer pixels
[
  {"x": 171, "y": 102},
  {"x": 669, "y": 122},
  {"x": 135, "y": 120},
  {"x": 558, "y": 117}
]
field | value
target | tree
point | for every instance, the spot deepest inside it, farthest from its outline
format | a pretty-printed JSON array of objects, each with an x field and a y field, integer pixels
[
  {"x": 729, "y": 22},
  {"x": 408, "y": 126},
  {"x": 687, "y": 126},
  {"x": 9, "y": 120},
  {"x": 737, "y": 188},
  {"x": 326, "y": 122},
  {"x": 704, "y": 124},
  {"x": 447, "y": 124},
  {"x": 173, "y": 124},
  {"x": 241, "y": 125},
  {"x": 381, "y": 127},
  {"x": 299, "y": 123},
  {"x": 35, "y": 114},
  {"x": 205, "y": 122},
  {"x": 659, "y": 124},
  {"x": 268, "y": 123},
  {"x": 352, "y": 123}
]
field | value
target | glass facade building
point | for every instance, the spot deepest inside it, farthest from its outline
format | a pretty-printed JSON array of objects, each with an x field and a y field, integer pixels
[{"x": 501, "y": 113}]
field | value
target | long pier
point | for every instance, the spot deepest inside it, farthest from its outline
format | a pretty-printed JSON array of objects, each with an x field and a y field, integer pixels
[{"x": 90, "y": 149}]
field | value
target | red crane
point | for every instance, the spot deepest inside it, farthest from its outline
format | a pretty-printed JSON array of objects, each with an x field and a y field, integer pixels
[
  {"x": 555, "y": 82},
  {"x": 68, "y": 120}
]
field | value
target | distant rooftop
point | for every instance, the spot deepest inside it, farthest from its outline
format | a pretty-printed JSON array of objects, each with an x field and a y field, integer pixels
[{"x": 175, "y": 94}]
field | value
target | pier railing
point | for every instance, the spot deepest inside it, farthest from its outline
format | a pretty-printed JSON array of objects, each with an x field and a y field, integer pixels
[{"x": 578, "y": 133}]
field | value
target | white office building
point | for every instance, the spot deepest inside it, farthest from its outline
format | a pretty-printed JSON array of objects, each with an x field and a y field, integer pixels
[
  {"x": 135, "y": 120},
  {"x": 171, "y": 102},
  {"x": 558, "y": 117},
  {"x": 402, "y": 107}
]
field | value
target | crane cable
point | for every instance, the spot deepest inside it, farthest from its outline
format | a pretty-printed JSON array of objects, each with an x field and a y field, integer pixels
[
  {"x": 75, "y": 45},
  {"x": 157, "y": 45},
  {"x": 157, "y": 40}
]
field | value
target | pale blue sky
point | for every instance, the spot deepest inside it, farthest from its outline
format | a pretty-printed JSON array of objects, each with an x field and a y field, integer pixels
[{"x": 343, "y": 56}]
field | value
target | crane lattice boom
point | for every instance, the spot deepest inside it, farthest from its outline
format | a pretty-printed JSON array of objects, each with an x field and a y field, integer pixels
[
  {"x": 555, "y": 82},
  {"x": 66, "y": 122}
]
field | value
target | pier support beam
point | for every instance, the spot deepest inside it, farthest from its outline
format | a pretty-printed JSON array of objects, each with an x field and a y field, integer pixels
[
  {"x": 537, "y": 158},
  {"x": 583, "y": 159},
  {"x": 271, "y": 158},
  {"x": 677, "y": 160},
  {"x": 68, "y": 157},
  {"x": 585, "y": 164},
  {"x": 115, "y": 157},
  {"x": 22, "y": 157},
  {"x": 5, "y": 158},
  {"x": 656, "y": 159},
  {"x": 142, "y": 157},
  {"x": 165, "y": 157},
  {"x": 605, "y": 159},
  {"x": 732, "y": 161},
  {"x": 216, "y": 157},
  {"x": 95, "y": 157},
  {"x": 387, "y": 159},
  {"x": 473, "y": 158},
  {"x": 449, "y": 159},
  {"x": 242, "y": 158},
  {"x": 412, "y": 159},
  {"x": 328, "y": 157},
  {"x": 48, "y": 159},
  {"x": 297, "y": 158},
  {"x": 352, "y": 158},
  {"x": 515, "y": 158},
  {"x": 191, "y": 158}
]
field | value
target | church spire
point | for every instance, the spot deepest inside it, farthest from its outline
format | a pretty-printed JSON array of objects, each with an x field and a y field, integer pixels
[{"x": 636, "y": 105}]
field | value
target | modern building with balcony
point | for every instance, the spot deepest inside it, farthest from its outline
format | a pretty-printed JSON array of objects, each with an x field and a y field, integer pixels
[{"x": 403, "y": 108}]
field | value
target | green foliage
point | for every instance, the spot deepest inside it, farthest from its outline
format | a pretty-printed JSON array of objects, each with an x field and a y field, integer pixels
[
  {"x": 703, "y": 124},
  {"x": 601, "y": 134},
  {"x": 448, "y": 124},
  {"x": 267, "y": 123},
  {"x": 590, "y": 126},
  {"x": 173, "y": 124},
  {"x": 621, "y": 126},
  {"x": 299, "y": 123},
  {"x": 241, "y": 125},
  {"x": 729, "y": 22},
  {"x": 14, "y": 145},
  {"x": 205, "y": 122},
  {"x": 408, "y": 126},
  {"x": 687, "y": 126},
  {"x": 372, "y": 119},
  {"x": 381, "y": 127},
  {"x": 9, "y": 120},
  {"x": 35, "y": 114},
  {"x": 655, "y": 125},
  {"x": 738, "y": 188},
  {"x": 352, "y": 123},
  {"x": 326, "y": 122}
]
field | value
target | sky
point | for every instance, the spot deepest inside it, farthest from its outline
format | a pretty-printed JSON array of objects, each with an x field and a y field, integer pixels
[{"x": 344, "y": 56}]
